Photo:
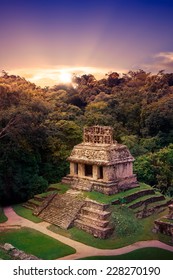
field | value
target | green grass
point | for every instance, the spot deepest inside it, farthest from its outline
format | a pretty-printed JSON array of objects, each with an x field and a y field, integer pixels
[
  {"x": 45, "y": 194},
  {"x": 25, "y": 213},
  {"x": 140, "y": 254},
  {"x": 61, "y": 188},
  {"x": 36, "y": 243},
  {"x": 3, "y": 218},
  {"x": 125, "y": 221},
  {"x": 102, "y": 198},
  {"x": 34, "y": 201},
  {"x": 118, "y": 240}
]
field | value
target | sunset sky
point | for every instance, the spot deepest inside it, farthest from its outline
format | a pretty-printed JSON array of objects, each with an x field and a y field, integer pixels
[{"x": 42, "y": 39}]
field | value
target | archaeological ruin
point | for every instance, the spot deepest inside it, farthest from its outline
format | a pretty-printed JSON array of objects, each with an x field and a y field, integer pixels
[
  {"x": 100, "y": 170},
  {"x": 165, "y": 224},
  {"x": 100, "y": 164}
]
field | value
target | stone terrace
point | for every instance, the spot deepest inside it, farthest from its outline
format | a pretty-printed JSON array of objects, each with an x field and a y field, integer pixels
[{"x": 94, "y": 219}]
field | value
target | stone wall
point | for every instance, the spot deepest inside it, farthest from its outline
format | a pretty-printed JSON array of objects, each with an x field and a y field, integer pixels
[
  {"x": 163, "y": 227},
  {"x": 17, "y": 254}
]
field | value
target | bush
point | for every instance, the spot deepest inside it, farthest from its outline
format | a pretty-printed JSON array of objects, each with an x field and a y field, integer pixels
[{"x": 125, "y": 221}]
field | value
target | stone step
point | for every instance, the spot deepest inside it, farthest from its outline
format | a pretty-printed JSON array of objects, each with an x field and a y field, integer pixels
[
  {"x": 80, "y": 188},
  {"x": 95, "y": 213},
  {"x": 62, "y": 210},
  {"x": 105, "y": 189},
  {"x": 93, "y": 221},
  {"x": 55, "y": 220},
  {"x": 38, "y": 198},
  {"x": 67, "y": 180},
  {"x": 152, "y": 208},
  {"x": 29, "y": 206},
  {"x": 153, "y": 205},
  {"x": 147, "y": 201},
  {"x": 133, "y": 196},
  {"x": 136, "y": 195},
  {"x": 62, "y": 223},
  {"x": 94, "y": 230},
  {"x": 96, "y": 205},
  {"x": 44, "y": 204},
  {"x": 82, "y": 184}
]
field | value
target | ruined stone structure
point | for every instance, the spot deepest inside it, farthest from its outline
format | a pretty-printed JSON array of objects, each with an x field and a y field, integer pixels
[
  {"x": 170, "y": 215},
  {"x": 100, "y": 164},
  {"x": 165, "y": 224}
]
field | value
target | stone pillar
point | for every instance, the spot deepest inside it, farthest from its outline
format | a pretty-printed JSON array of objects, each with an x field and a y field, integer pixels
[
  {"x": 81, "y": 171},
  {"x": 129, "y": 169},
  {"x": 106, "y": 173},
  {"x": 71, "y": 168},
  {"x": 95, "y": 172}
]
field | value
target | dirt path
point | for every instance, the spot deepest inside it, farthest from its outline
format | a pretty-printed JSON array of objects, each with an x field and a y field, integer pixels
[{"x": 82, "y": 250}]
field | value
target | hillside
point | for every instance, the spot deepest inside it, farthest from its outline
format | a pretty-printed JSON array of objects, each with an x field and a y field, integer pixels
[{"x": 40, "y": 126}]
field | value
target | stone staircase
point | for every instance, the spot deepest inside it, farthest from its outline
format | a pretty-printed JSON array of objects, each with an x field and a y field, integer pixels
[
  {"x": 33, "y": 203},
  {"x": 94, "y": 218},
  {"x": 29, "y": 205},
  {"x": 82, "y": 185},
  {"x": 62, "y": 209},
  {"x": 144, "y": 202}
]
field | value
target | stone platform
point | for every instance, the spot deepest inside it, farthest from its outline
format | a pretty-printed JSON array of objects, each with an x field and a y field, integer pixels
[
  {"x": 94, "y": 218},
  {"x": 108, "y": 188}
]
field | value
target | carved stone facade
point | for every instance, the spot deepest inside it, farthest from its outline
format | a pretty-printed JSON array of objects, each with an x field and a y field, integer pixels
[
  {"x": 98, "y": 135},
  {"x": 105, "y": 164}
]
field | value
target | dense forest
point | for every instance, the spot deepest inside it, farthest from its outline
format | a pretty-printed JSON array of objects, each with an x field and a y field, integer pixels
[{"x": 40, "y": 126}]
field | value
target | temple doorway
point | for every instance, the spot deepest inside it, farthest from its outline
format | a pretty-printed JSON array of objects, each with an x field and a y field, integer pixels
[{"x": 88, "y": 170}]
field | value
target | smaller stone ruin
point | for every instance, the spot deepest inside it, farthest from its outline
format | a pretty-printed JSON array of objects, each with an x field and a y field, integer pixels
[
  {"x": 170, "y": 215},
  {"x": 165, "y": 224},
  {"x": 15, "y": 253}
]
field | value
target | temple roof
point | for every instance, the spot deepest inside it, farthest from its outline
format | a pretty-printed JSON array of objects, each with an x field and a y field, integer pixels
[
  {"x": 100, "y": 154},
  {"x": 99, "y": 148}
]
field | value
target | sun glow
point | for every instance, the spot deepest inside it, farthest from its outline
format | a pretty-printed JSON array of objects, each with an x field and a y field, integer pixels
[
  {"x": 65, "y": 77},
  {"x": 59, "y": 74}
]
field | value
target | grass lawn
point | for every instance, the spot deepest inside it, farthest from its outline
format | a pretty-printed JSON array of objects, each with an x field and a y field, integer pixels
[
  {"x": 3, "y": 218},
  {"x": 121, "y": 238},
  {"x": 36, "y": 243},
  {"x": 140, "y": 254},
  {"x": 25, "y": 213}
]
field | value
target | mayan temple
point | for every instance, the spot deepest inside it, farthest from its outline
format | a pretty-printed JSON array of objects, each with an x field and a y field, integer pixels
[{"x": 100, "y": 164}]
